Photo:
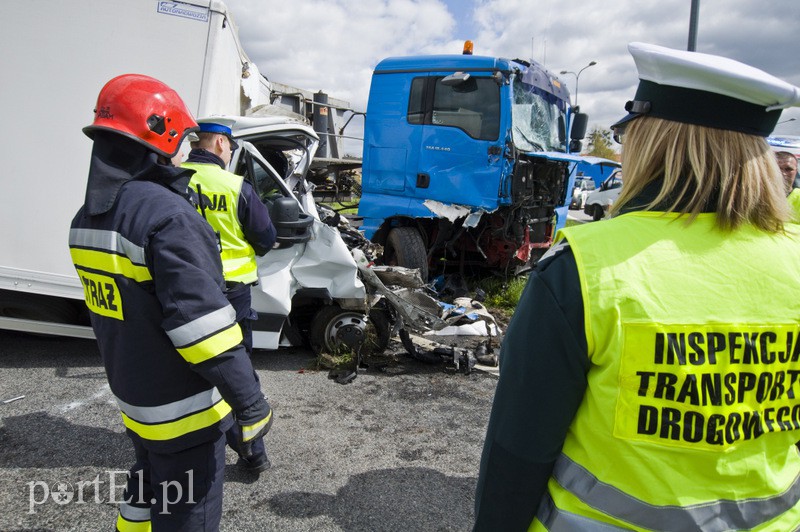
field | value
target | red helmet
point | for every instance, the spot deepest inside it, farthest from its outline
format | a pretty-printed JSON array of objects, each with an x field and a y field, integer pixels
[{"x": 145, "y": 110}]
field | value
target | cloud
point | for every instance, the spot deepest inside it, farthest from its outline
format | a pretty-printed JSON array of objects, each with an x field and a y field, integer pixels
[
  {"x": 334, "y": 45},
  {"x": 568, "y": 34}
]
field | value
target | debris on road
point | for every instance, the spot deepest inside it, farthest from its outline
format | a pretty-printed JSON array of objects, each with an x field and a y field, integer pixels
[
  {"x": 13, "y": 399},
  {"x": 429, "y": 329}
]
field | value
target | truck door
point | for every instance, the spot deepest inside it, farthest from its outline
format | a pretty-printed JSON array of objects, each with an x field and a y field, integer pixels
[{"x": 459, "y": 155}]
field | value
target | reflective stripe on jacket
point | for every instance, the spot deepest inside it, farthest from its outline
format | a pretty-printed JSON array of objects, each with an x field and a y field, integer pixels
[
  {"x": 693, "y": 403},
  {"x": 221, "y": 190},
  {"x": 164, "y": 422},
  {"x": 152, "y": 281}
]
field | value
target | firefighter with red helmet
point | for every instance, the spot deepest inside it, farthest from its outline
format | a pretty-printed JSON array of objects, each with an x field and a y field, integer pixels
[{"x": 168, "y": 337}]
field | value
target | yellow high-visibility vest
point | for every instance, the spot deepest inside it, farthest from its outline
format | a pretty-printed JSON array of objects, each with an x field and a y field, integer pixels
[
  {"x": 221, "y": 190},
  {"x": 794, "y": 203},
  {"x": 692, "y": 409}
]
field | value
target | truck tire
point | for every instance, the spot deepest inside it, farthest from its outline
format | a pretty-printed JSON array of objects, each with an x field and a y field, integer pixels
[
  {"x": 597, "y": 212},
  {"x": 405, "y": 247},
  {"x": 334, "y": 328},
  {"x": 27, "y": 306}
]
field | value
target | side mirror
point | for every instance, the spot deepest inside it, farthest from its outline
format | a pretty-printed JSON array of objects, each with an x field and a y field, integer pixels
[
  {"x": 455, "y": 79},
  {"x": 575, "y": 146},
  {"x": 500, "y": 79},
  {"x": 579, "y": 123},
  {"x": 292, "y": 226},
  {"x": 460, "y": 82}
]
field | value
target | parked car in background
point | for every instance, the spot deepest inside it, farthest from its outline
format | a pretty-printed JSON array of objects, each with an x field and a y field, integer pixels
[
  {"x": 583, "y": 186},
  {"x": 598, "y": 201}
]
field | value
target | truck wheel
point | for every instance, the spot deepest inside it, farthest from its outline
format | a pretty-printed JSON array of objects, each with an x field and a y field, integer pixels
[
  {"x": 597, "y": 212},
  {"x": 26, "y": 306},
  {"x": 334, "y": 328},
  {"x": 405, "y": 247}
]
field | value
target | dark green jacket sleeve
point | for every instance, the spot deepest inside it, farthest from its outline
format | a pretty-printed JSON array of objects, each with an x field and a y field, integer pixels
[{"x": 543, "y": 366}]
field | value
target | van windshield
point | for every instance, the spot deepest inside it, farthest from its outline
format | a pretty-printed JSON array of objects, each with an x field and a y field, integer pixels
[{"x": 535, "y": 118}]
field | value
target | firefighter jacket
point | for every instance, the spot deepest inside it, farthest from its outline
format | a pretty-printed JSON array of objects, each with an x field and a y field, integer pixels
[
  {"x": 692, "y": 408},
  {"x": 151, "y": 273},
  {"x": 235, "y": 212}
]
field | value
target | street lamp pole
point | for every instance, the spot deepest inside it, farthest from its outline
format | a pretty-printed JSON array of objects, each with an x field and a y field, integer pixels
[
  {"x": 577, "y": 77},
  {"x": 693, "y": 16}
]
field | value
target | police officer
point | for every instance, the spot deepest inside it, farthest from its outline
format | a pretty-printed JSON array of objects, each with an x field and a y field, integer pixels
[
  {"x": 787, "y": 163},
  {"x": 169, "y": 340},
  {"x": 649, "y": 377},
  {"x": 235, "y": 212}
]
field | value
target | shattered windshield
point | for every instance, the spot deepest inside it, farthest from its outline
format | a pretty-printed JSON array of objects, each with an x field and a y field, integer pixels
[{"x": 535, "y": 119}]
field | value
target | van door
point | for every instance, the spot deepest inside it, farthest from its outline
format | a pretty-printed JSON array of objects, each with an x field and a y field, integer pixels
[
  {"x": 310, "y": 258},
  {"x": 272, "y": 296}
]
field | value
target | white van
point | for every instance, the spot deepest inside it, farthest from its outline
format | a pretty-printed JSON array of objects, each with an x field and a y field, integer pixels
[
  {"x": 598, "y": 201},
  {"x": 309, "y": 288}
]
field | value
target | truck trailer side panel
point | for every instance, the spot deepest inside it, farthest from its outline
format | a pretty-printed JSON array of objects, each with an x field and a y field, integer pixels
[{"x": 57, "y": 56}]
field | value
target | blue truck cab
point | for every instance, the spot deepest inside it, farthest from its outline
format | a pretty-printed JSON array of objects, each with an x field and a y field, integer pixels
[{"x": 466, "y": 162}]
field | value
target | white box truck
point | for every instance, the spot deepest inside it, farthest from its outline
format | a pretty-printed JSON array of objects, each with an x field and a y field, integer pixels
[{"x": 57, "y": 56}]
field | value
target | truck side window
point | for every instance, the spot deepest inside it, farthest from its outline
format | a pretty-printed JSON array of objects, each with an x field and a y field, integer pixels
[
  {"x": 473, "y": 107},
  {"x": 416, "y": 102}
]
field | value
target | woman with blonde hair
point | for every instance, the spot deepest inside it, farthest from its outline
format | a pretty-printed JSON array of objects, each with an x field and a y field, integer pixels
[
  {"x": 650, "y": 377},
  {"x": 702, "y": 169}
]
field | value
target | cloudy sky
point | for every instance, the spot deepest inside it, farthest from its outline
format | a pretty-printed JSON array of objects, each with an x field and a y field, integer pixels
[{"x": 333, "y": 45}]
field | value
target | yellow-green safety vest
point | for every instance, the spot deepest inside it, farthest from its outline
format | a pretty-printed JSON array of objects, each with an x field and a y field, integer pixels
[
  {"x": 221, "y": 190},
  {"x": 794, "y": 203},
  {"x": 692, "y": 408}
]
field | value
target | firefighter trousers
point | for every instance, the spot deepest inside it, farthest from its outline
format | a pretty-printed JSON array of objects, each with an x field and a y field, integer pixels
[{"x": 174, "y": 491}]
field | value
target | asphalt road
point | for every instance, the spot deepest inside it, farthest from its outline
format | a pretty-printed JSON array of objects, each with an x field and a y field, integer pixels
[
  {"x": 579, "y": 216},
  {"x": 397, "y": 449}
]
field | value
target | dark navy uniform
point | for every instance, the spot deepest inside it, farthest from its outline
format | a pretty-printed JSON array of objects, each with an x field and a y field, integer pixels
[{"x": 168, "y": 337}]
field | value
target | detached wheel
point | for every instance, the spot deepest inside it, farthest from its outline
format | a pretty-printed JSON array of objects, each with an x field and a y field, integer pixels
[
  {"x": 597, "y": 212},
  {"x": 333, "y": 329},
  {"x": 405, "y": 247}
]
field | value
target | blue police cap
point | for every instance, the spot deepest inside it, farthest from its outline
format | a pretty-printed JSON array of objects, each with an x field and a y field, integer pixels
[{"x": 222, "y": 129}]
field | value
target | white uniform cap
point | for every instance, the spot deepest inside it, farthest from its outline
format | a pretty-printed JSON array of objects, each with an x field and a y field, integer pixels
[
  {"x": 706, "y": 90},
  {"x": 225, "y": 121}
]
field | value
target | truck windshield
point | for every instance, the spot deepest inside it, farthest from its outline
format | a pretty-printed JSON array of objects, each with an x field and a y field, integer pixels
[{"x": 535, "y": 118}]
